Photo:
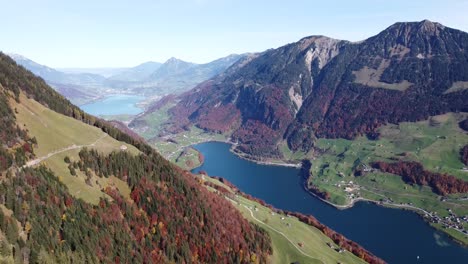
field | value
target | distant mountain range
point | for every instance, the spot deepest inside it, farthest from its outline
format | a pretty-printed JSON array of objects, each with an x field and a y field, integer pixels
[
  {"x": 78, "y": 87},
  {"x": 55, "y": 76},
  {"x": 105, "y": 72},
  {"x": 322, "y": 87},
  {"x": 137, "y": 73},
  {"x": 149, "y": 78},
  {"x": 173, "y": 76}
]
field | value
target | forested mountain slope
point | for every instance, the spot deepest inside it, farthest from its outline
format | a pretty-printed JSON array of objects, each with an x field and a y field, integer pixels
[
  {"x": 153, "y": 213},
  {"x": 325, "y": 88}
]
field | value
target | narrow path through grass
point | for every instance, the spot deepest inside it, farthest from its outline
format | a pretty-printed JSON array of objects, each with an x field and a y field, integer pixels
[
  {"x": 39, "y": 160},
  {"x": 277, "y": 231}
]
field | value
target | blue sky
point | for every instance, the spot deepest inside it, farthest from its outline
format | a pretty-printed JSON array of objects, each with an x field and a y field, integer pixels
[{"x": 114, "y": 33}]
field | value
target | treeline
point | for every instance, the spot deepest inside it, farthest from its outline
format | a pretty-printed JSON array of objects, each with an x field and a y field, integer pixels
[
  {"x": 192, "y": 219},
  {"x": 16, "y": 146},
  {"x": 308, "y": 183},
  {"x": 337, "y": 238},
  {"x": 464, "y": 124},
  {"x": 56, "y": 228},
  {"x": 15, "y": 79},
  {"x": 414, "y": 173},
  {"x": 464, "y": 154}
]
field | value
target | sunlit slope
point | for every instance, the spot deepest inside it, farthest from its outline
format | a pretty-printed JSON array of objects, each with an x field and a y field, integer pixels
[
  {"x": 292, "y": 240},
  {"x": 59, "y": 136}
]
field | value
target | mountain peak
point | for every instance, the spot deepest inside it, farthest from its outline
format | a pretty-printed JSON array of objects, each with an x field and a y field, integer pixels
[
  {"x": 318, "y": 40},
  {"x": 427, "y": 26},
  {"x": 417, "y": 35},
  {"x": 174, "y": 60}
]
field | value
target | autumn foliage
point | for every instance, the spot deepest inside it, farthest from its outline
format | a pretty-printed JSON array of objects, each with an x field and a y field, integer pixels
[
  {"x": 339, "y": 239},
  {"x": 169, "y": 217},
  {"x": 187, "y": 219},
  {"x": 414, "y": 173}
]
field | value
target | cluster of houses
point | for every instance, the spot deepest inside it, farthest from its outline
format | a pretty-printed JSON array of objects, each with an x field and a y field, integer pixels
[
  {"x": 450, "y": 221},
  {"x": 351, "y": 189}
]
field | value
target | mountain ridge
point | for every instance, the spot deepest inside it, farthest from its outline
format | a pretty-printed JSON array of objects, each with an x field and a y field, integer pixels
[
  {"x": 308, "y": 89},
  {"x": 152, "y": 79}
]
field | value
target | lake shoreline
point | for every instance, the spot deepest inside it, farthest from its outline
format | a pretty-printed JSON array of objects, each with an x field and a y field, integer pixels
[
  {"x": 351, "y": 204},
  {"x": 281, "y": 188},
  {"x": 418, "y": 211},
  {"x": 310, "y": 220},
  {"x": 114, "y": 104},
  {"x": 251, "y": 158},
  {"x": 246, "y": 156}
]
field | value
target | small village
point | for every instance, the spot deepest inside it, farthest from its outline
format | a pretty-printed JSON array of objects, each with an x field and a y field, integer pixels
[{"x": 453, "y": 221}]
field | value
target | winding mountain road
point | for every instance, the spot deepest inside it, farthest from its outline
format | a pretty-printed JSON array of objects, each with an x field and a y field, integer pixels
[{"x": 40, "y": 159}]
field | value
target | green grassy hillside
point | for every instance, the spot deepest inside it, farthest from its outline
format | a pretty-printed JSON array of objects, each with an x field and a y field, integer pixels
[
  {"x": 55, "y": 134},
  {"x": 435, "y": 143},
  {"x": 293, "y": 241}
]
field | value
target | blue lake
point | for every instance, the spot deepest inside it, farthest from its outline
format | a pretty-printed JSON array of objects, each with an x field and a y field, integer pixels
[
  {"x": 117, "y": 104},
  {"x": 397, "y": 236}
]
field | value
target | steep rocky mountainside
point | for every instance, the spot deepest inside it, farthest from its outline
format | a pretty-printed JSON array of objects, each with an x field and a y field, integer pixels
[
  {"x": 408, "y": 72},
  {"x": 259, "y": 96},
  {"x": 321, "y": 87}
]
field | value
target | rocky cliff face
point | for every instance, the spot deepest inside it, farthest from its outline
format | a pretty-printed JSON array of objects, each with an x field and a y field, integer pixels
[
  {"x": 258, "y": 97},
  {"x": 408, "y": 72},
  {"x": 322, "y": 87}
]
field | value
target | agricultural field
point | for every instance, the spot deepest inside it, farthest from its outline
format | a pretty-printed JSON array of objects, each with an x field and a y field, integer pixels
[
  {"x": 177, "y": 147},
  {"x": 435, "y": 143},
  {"x": 154, "y": 122},
  {"x": 58, "y": 137},
  {"x": 174, "y": 147}
]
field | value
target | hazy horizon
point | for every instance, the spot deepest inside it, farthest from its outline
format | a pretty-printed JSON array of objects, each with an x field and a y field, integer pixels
[{"x": 116, "y": 34}]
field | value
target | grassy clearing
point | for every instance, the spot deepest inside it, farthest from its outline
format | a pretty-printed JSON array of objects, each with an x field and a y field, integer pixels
[
  {"x": 173, "y": 147},
  {"x": 53, "y": 132},
  {"x": 371, "y": 78},
  {"x": 155, "y": 121},
  {"x": 289, "y": 155},
  {"x": 435, "y": 143},
  {"x": 288, "y": 232}
]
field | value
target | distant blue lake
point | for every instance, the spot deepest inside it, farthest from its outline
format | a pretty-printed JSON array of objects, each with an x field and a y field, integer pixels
[
  {"x": 397, "y": 236},
  {"x": 117, "y": 104}
]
